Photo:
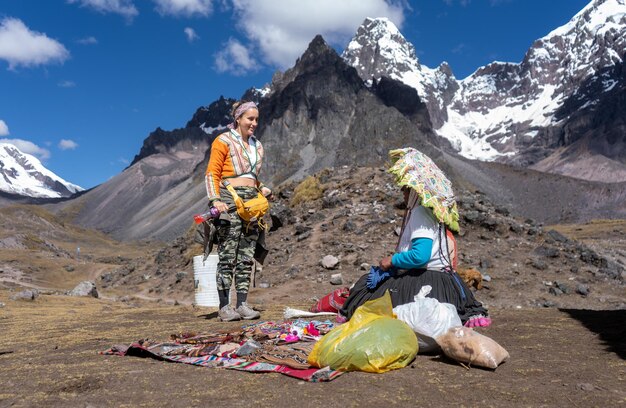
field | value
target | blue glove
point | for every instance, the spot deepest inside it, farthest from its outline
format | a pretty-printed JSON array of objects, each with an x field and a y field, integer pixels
[{"x": 377, "y": 275}]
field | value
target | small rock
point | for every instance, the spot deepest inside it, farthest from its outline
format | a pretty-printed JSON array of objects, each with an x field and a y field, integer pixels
[
  {"x": 557, "y": 236},
  {"x": 107, "y": 277},
  {"x": 533, "y": 231},
  {"x": 364, "y": 266},
  {"x": 180, "y": 276},
  {"x": 292, "y": 272},
  {"x": 562, "y": 287},
  {"x": 349, "y": 226},
  {"x": 85, "y": 288},
  {"x": 26, "y": 295},
  {"x": 582, "y": 289},
  {"x": 301, "y": 229},
  {"x": 330, "y": 262},
  {"x": 547, "y": 251},
  {"x": 69, "y": 268},
  {"x": 549, "y": 303},
  {"x": 538, "y": 264},
  {"x": 585, "y": 387},
  {"x": 473, "y": 217},
  {"x": 555, "y": 291},
  {"x": 303, "y": 236},
  {"x": 336, "y": 279},
  {"x": 502, "y": 210},
  {"x": 2, "y": 305},
  {"x": 264, "y": 285}
]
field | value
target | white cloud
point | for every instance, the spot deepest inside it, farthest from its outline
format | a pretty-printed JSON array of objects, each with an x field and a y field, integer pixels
[
  {"x": 459, "y": 48},
  {"x": 235, "y": 59},
  {"x": 125, "y": 8},
  {"x": 282, "y": 29},
  {"x": 66, "y": 144},
  {"x": 67, "y": 84},
  {"x": 21, "y": 46},
  {"x": 88, "y": 41},
  {"x": 191, "y": 34},
  {"x": 120, "y": 160},
  {"x": 186, "y": 8},
  {"x": 4, "y": 129},
  {"x": 28, "y": 147}
]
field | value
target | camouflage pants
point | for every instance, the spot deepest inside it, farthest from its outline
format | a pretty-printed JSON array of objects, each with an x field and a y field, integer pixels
[{"x": 237, "y": 243}]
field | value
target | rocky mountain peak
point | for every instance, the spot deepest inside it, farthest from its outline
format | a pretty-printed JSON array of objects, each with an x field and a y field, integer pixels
[
  {"x": 318, "y": 55},
  {"x": 206, "y": 123},
  {"x": 379, "y": 49}
]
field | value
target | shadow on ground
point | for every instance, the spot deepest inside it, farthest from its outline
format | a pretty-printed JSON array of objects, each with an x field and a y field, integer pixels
[{"x": 610, "y": 325}]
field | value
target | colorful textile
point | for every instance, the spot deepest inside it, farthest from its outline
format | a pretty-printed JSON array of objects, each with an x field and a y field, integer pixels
[
  {"x": 219, "y": 350},
  {"x": 414, "y": 169},
  {"x": 241, "y": 109},
  {"x": 331, "y": 302}
]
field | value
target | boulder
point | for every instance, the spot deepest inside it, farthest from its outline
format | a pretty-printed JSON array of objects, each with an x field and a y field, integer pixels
[{"x": 85, "y": 288}]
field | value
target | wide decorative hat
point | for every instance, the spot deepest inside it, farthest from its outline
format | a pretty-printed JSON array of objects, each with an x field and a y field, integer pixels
[{"x": 414, "y": 169}]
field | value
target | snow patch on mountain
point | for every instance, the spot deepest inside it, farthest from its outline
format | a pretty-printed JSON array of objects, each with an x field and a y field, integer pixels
[{"x": 23, "y": 174}]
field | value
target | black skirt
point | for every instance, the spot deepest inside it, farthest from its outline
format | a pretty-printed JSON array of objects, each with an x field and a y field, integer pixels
[{"x": 447, "y": 287}]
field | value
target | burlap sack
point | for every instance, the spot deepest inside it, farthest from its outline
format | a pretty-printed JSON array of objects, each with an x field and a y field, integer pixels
[{"x": 467, "y": 346}]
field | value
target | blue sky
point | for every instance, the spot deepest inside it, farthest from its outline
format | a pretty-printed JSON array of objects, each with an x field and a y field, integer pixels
[{"x": 83, "y": 82}]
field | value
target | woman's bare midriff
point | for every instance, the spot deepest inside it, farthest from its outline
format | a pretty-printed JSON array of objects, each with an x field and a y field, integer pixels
[{"x": 242, "y": 182}]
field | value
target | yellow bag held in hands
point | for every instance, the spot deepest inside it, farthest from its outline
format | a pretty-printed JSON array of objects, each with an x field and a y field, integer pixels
[{"x": 251, "y": 210}]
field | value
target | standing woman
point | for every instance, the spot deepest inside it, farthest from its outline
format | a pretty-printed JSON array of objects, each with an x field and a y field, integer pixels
[{"x": 236, "y": 156}]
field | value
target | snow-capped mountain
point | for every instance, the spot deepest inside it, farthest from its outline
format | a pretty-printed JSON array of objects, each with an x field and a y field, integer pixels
[
  {"x": 378, "y": 49},
  {"x": 515, "y": 112},
  {"x": 23, "y": 174}
]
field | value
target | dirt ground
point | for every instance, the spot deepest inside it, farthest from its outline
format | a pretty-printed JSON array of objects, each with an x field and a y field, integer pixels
[
  {"x": 49, "y": 357},
  {"x": 558, "y": 305}
]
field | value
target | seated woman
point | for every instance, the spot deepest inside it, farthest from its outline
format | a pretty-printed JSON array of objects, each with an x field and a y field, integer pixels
[{"x": 421, "y": 258}]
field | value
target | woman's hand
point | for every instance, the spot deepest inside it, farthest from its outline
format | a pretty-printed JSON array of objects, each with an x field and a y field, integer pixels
[
  {"x": 222, "y": 207},
  {"x": 267, "y": 193},
  {"x": 385, "y": 263}
]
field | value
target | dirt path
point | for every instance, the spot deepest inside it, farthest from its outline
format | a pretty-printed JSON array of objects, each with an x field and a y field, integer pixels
[{"x": 49, "y": 357}]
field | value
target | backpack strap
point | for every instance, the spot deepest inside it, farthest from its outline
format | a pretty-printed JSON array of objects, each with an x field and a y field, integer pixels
[{"x": 230, "y": 189}]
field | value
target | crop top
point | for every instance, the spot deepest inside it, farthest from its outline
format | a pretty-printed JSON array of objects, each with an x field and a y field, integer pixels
[{"x": 230, "y": 159}]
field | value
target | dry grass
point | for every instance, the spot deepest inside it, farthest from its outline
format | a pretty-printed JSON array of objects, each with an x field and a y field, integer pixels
[
  {"x": 595, "y": 229},
  {"x": 308, "y": 190},
  {"x": 45, "y": 251},
  {"x": 49, "y": 357}
]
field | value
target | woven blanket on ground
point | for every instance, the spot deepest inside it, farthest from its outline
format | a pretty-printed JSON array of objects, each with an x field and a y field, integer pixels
[{"x": 219, "y": 350}]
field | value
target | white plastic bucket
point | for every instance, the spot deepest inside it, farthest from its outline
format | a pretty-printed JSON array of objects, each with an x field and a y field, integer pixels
[{"x": 204, "y": 280}]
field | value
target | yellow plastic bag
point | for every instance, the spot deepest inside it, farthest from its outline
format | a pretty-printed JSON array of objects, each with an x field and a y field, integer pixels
[{"x": 373, "y": 341}]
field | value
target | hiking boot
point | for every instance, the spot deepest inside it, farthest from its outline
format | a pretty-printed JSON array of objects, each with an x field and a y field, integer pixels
[
  {"x": 246, "y": 312},
  {"x": 228, "y": 314}
]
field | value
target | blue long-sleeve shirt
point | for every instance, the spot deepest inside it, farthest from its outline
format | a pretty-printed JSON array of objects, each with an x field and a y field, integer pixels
[{"x": 416, "y": 257}]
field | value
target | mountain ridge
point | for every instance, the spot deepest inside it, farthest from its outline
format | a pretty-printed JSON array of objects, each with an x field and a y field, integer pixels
[{"x": 516, "y": 113}]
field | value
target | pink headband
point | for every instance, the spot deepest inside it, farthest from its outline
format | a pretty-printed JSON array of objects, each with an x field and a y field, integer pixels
[{"x": 240, "y": 111}]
